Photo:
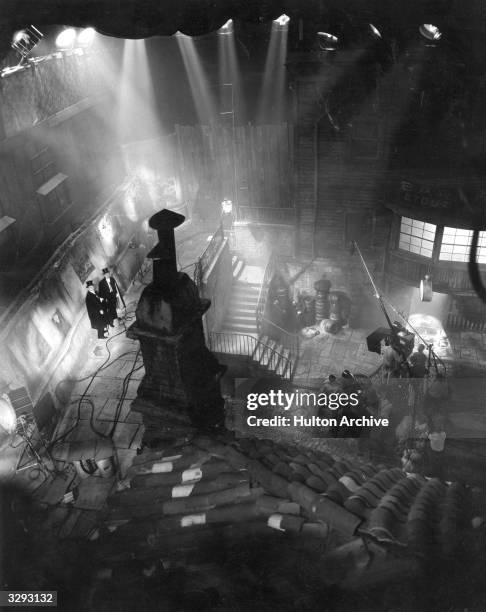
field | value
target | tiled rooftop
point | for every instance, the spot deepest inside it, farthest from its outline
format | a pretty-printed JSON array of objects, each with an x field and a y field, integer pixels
[{"x": 209, "y": 482}]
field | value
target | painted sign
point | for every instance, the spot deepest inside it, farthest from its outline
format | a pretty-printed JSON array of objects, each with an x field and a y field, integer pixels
[{"x": 427, "y": 197}]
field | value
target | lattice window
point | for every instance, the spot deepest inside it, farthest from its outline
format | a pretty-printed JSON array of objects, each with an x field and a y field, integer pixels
[
  {"x": 417, "y": 236},
  {"x": 456, "y": 243}
]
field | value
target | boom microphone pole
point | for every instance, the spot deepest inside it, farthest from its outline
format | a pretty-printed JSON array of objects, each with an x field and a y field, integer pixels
[{"x": 375, "y": 288}]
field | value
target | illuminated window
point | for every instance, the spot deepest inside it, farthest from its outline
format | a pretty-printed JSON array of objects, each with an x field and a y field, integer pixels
[
  {"x": 456, "y": 242},
  {"x": 417, "y": 237}
]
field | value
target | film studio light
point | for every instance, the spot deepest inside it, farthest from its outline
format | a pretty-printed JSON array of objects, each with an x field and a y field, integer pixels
[
  {"x": 430, "y": 32},
  {"x": 327, "y": 42},
  {"x": 65, "y": 39},
  {"x": 25, "y": 40},
  {"x": 426, "y": 289}
]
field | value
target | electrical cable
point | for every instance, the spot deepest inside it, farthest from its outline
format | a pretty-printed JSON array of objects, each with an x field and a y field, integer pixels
[
  {"x": 121, "y": 400},
  {"x": 95, "y": 374},
  {"x": 88, "y": 376},
  {"x": 89, "y": 402}
]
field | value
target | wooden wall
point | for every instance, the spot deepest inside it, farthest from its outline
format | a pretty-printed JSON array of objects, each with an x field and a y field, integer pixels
[
  {"x": 340, "y": 154},
  {"x": 251, "y": 165}
]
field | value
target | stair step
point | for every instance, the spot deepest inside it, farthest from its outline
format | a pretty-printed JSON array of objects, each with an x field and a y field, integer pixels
[
  {"x": 239, "y": 328},
  {"x": 236, "y": 317},
  {"x": 240, "y": 297},
  {"x": 241, "y": 307},
  {"x": 244, "y": 294},
  {"x": 245, "y": 286}
]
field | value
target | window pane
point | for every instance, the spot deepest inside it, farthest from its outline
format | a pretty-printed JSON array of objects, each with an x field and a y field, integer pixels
[
  {"x": 417, "y": 236},
  {"x": 456, "y": 243}
]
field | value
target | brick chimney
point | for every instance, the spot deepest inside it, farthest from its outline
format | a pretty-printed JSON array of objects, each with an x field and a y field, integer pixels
[{"x": 180, "y": 388}]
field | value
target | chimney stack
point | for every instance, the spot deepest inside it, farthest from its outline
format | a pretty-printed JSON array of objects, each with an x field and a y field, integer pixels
[{"x": 164, "y": 252}]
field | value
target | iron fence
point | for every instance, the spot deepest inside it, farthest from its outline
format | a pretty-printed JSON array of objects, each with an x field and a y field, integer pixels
[{"x": 267, "y": 355}]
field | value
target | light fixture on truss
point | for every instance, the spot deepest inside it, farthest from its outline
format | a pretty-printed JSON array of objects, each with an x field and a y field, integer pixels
[{"x": 25, "y": 40}]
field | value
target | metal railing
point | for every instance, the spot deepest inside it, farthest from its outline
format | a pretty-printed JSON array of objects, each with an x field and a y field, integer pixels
[
  {"x": 461, "y": 323},
  {"x": 216, "y": 241},
  {"x": 264, "y": 289},
  {"x": 266, "y": 214},
  {"x": 207, "y": 258},
  {"x": 245, "y": 345},
  {"x": 289, "y": 340}
]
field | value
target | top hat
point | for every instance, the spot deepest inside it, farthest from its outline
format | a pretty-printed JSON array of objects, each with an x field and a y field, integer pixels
[
  {"x": 89, "y": 283},
  {"x": 105, "y": 271}
]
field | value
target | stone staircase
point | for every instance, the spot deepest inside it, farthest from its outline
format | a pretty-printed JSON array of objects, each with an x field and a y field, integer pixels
[
  {"x": 240, "y": 316},
  {"x": 239, "y": 334}
]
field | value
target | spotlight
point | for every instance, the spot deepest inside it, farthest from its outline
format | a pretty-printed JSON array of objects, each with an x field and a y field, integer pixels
[
  {"x": 374, "y": 31},
  {"x": 227, "y": 27},
  {"x": 85, "y": 37},
  {"x": 426, "y": 289},
  {"x": 430, "y": 32},
  {"x": 282, "y": 20},
  {"x": 227, "y": 206},
  {"x": 25, "y": 40},
  {"x": 66, "y": 38},
  {"x": 327, "y": 42}
]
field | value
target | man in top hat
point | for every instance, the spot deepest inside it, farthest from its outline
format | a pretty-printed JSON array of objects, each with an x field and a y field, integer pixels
[
  {"x": 108, "y": 289},
  {"x": 97, "y": 310}
]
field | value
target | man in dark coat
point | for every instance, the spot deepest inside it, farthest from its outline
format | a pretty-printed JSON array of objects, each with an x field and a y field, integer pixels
[
  {"x": 418, "y": 362},
  {"x": 97, "y": 310},
  {"x": 109, "y": 290}
]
